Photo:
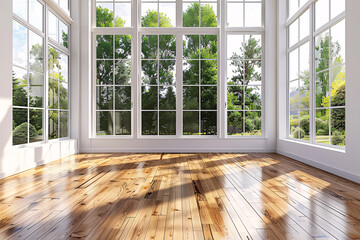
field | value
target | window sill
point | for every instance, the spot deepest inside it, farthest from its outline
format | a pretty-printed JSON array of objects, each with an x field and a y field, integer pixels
[
  {"x": 43, "y": 143},
  {"x": 316, "y": 145},
  {"x": 178, "y": 138}
]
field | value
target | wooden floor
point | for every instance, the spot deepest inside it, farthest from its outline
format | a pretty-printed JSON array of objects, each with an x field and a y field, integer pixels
[{"x": 178, "y": 196}]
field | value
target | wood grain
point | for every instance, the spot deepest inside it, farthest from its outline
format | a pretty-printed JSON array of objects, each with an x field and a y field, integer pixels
[{"x": 178, "y": 196}]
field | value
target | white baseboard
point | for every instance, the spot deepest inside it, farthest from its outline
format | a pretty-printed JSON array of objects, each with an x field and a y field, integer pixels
[
  {"x": 172, "y": 150},
  {"x": 322, "y": 166}
]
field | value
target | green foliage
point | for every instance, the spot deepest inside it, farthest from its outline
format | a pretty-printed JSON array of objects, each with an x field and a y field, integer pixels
[
  {"x": 298, "y": 132},
  {"x": 305, "y": 124},
  {"x": 20, "y": 133},
  {"x": 338, "y": 138},
  {"x": 191, "y": 16},
  {"x": 104, "y": 17},
  {"x": 321, "y": 132},
  {"x": 322, "y": 125},
  {"x": 151, "y": 19}
]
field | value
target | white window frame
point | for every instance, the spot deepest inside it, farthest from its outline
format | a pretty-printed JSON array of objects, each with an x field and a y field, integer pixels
[
  {"x": 49, "y": 6},
  {"x": 136, "y": 31},
  {"x": 313, "y": 33}
]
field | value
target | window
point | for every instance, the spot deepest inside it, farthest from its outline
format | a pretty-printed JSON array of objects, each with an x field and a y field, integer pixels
[
  {"x": 316, "y": 74},
  {"x": 174, "y": 78},
  {"x": 244, "y": 78},
  {"x": 244, "y": 13},
  {"x": 31, "y": 104}
]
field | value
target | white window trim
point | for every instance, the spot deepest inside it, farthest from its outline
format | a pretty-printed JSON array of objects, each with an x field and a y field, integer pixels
[
  {"x": 310, "y": 5},
  {"x": 136, "y": 31}
]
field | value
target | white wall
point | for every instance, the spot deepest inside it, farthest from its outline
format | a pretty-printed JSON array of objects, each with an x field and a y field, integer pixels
[
  {"x": 267, "y": 143},
  {"x": 18, "y": 159},
  {"x": 343, "y": 163}
]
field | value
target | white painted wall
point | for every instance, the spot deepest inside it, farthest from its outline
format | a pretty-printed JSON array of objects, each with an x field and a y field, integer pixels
[
  {"x": 343, "y": 163},
  {"x": 18, "y": 159},
  {"x": 267, "y": 143}
]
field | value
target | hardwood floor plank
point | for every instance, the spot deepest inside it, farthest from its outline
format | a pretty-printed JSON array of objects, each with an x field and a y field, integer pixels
[{"x": 178, "y": 196}]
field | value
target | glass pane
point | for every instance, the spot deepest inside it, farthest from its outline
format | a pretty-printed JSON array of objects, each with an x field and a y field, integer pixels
[
  {"x": 53, "y": 26},
  {"x": 191, "y": 72},
  {"x": 53, "y": 63},
  {"x": 64, "y": 4},
  {"x": 322, "y": 52},
  {"x": 252, "y": 72},
  {"x": 208, "y": 98},
  {"x": 36, "y": 125},
  {"x": 338, "y": 44},
  {"x": 105, "y": 74},
  {"x": 167, "y": 14},
  {"x": 36, "y": 53},
  {"x": 149, "y": 46},
  {"x": 235, "y": 98},
  {"x": 209, "y": 72},
  {"x": 149, "y": 97},
  {"x": 322, "y": 126},
  {"x": 293, "y": 7},
  {"x": 235, "y": 14},
  {"x": 167, "y": 98},
  {"x": 36, "y": 93},
  {"x": 20, "y": 8},
  {"x": 208, "y": 123},
  {"x": 150, "y": 16},
  {"x": 19, "y": 44},
  {"x": 191, "y": 45},
  {"x": 235, "y": 70},
  {"x": 338, "y": 126},
  {"x": 304, "y": 133},
  {"x": 123, "y": 98},
  {"x": 167, "y": 46},
  {"x": 253, "y": 123},
  {"x": 63, "y": 95},
  {"x": 104, "y": 15},
  {"x": 19, "y": 87},
  {"x": 304, "y": 25},
  {"x": 104, "y": 123},
  {"x": 64, "y": 34},
  {"x": 123, "y": 72},
  {"x": 294, "y": 94},
  {"x": 104, "y": 98},
  {"x": 20, "y": 126},
  {"x": 167, "y": 123},
  {"x": 253, "y": 14},
  {"x": 191, "y": 98},
  {"x": 234, "y": 46},
  {"x": 64, "y": 124},
  {"x": 294, "y": 124},
  {"x": 191, "y": 123},
  {"x": 36, "y": 14},
  {"x": 235, "y": 123},
  {"x": 122, "y": 14},
  {"x": 104, "y": 46},
  {"x": 208, "y": 14},
  {"x": 208, "y": 44},
  {"x": 338, "y": 86},
  {"x": 53, "y": 124},
  {"x": 122, "y": 46},
  {"x": 322, "y": 89},
  {"x": 149, "y": 73},
  {"x": 304, "y": 60},
  {"x": 321, "y": 12},
  {"x": 253, "y": 98},
  {"x": 191, "y": 14},
  {"x": 53, "y": 94},
  {"x": 294, "y": 33},
  {"x": 64, "y": 68},
  {"x": 294, "y": 65},
  {"x": 167, "y": 71},
  {"x": 149, "y": 123},
  {"x": 123, "y": 123},
  {"x": 337, "y": 7},
  {"x": 304, "y": 93}
]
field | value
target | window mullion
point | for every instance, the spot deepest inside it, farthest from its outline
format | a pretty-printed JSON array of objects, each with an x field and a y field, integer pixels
[
  {"x": 312, "y": 76},
  {"x": 46, "y": 77},
  {"x": 179, "y": 84}
]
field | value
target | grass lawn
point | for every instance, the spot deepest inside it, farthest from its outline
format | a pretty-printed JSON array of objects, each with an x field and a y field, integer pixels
[{"x": 322, "y": 139}]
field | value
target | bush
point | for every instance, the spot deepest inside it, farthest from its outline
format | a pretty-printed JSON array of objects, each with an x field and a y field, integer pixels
[
  {"x": 337, "y": 138},
  {"x": 320, "y": 124},
  {"x": 321, "y": 132},
  {"x": 296, "y": 133},
  {"x": 20, "y": 133},
  {"x": 249, "y": 125},
  {"x": 305, "y": 124}
]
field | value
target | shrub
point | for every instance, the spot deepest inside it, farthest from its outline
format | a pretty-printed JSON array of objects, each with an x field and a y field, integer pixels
[
  {"x": 320, "y": 124},
  {"x": 321, "y": 132},
  {"x": 296, "y": 133},
  {"x": 337, "y": 138},
  {"x": 249, "y": 125},
  {"x": 305, "y": 124},
  {"x": 20, "y": 133}
]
